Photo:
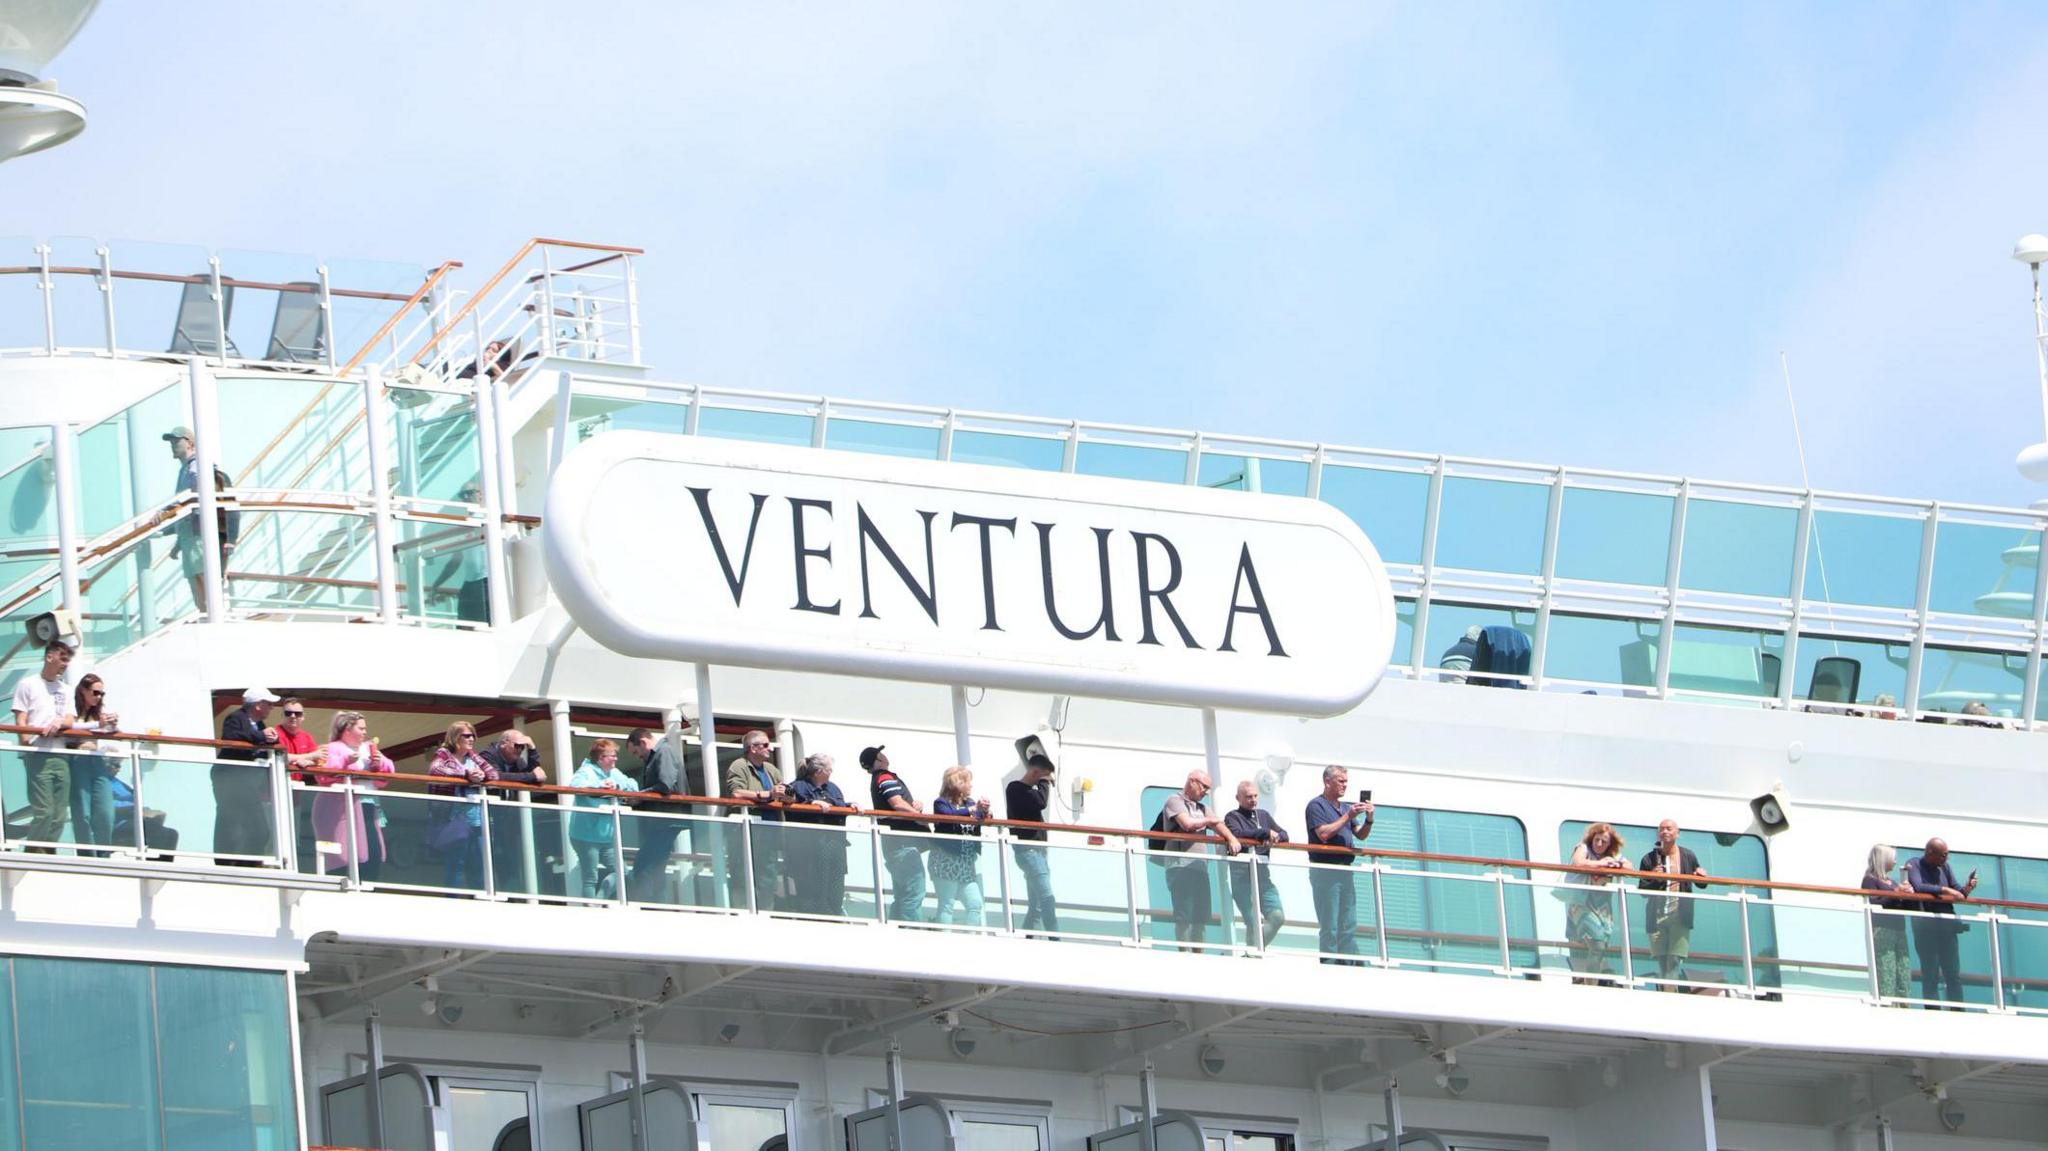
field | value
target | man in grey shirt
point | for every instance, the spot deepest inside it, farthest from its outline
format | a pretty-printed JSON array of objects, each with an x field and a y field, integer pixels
[
  {"x": 1187, "y": 872},
  {"x": 661, "y": 772}
]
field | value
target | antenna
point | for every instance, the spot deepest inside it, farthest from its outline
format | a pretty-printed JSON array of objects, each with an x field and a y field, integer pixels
[{"x": 1806, "y": 481}]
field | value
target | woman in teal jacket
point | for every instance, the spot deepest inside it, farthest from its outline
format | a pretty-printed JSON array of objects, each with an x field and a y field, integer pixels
[{"x": 591, "y": 831}]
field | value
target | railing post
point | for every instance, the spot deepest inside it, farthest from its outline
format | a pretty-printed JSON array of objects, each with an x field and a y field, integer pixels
[
  {"x": 326, "y": 318},
  {"x": 547, "y": 291},
  {"x": 875, "y": 850},
  {"x": 1070, "y": 454},
  {"x": 1870, "y": 952},
  {"x": 107, "y": 293},
  {"x": 1997, "y": 966},
  {"x": 63, "y": 457},
  {"x": 632, "y": 309},
  {"x": 483, "y": 818},
  {"x": 220, "y": 311},
  {"x": 1193, "y": 475},
  {"x": 484, "y": 399},
  {"x": 1628, "y": 959},
  {"x": 1674, "y": 559},
  {"x": 1743, "y": 902},
  {"x": 821, "y": 421},
  {"x": 1916, "y": 649},
  {"x": 1553, "y": 516},
  {"x": 618, "y": 853},
  {"x": 373, "y": 1055},
  {"x": 1500, "y": 895},
  {"x": 1379, "y": 911},
  {"x": 206, "y": 430},
  {"x": 1788, "y": 669},
  {"x": 1003, "y": 861},
  {"x": 2030, "y": 695},
  {"x": 946, "y": 428},
  {"x": 746, "y": 822},
  {"x": 558, "y": 445},
  {"x": 353, "y": 812},
  {"x": 49, "y": 291},
  {"x": 281, "y": 809},
  {"x": 1316, "y": 460},
  {"x": 1131, "y": 865},
  {"x": 1432, "y": 514},
  {"x": 141, "y": 823},
  {"x": 380, "y": 496}
]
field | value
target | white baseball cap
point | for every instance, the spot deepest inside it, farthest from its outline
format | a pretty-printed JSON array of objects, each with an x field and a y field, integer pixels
[{"x": 258, "y": 695}]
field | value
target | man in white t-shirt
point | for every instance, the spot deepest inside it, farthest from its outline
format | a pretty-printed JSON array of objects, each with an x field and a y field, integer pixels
[{"x": 44, "y": 702}]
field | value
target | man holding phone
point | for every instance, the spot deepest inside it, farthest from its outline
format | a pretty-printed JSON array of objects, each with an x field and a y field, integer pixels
[
  {"x": 1936, "y": 939},
  {"x": 1339, "y": 826}
]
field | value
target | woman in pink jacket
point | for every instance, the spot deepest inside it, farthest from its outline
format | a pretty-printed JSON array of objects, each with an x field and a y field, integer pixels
[{"x": 351, "y": 749}]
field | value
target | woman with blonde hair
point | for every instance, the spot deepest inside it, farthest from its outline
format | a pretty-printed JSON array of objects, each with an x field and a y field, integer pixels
[
  {"x": 1888, "y": 932},
  {"x": 956, "y": 864},
  {"x": 456, "y": 830},
  {"x": 1590, "y": 915},
  {"x": 349, "y": 748}
]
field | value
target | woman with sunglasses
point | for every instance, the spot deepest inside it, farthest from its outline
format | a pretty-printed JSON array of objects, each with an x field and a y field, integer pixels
[
  {"x": 351, "y": 749},
  {"x": 456, "y": 830},
  {"x": 92, "y": 776}
]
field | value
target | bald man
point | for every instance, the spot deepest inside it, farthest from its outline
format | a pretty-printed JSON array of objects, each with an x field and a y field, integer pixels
[
  {"x": 1936, "y": 938},
  {"x": 1258, "y": 902},
  {"x": 1187, "y": 872}
]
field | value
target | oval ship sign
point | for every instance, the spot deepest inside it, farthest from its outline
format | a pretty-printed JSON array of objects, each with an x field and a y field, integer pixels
[{"x": 724, "y": 552}]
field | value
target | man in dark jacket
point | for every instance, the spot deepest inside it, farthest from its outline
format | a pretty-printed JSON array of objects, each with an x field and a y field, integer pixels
[
  {"x": 514, "y": 759},
  {"x": 661, "y": 772},
  {"x": 1259, "y": 905},
  {"x": 1670, "y": 926},
  {"x": 1936, "y": 939},
  {"x": 241, "y": 795}
]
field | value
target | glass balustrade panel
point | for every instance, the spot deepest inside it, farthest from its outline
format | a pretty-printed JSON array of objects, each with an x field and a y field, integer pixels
[
  {"x": 1811, "y": 949},
  {"x": 1953, "y": 678},
  {"x": 1492, "y": 525},
  {"x": 1736, "y": 548},
  {"x": 1984, "y": 570},
  {"x": 1614, "y": 537},
  {"x": 1726, "y": 660},
  {"x": 28, "y": 491},
  {"x": 2023, "y": 961},
  {"x": 277, "y": 314},
  {"x": 1003, "y": 449},
  {"x": 442, "y": 573},
  {"x": 431, "y": 842},
  {"x": 163, "y": 299},
  {"x": 21, "y": 295},
  {"x": 1576, "y": 928},
  {"x": 1849, "y": 671},
  {"x": 365, "y": 294},
  {"x": 1686, "y": 942},
  {"x": 791, "y": 428},
  {"x": 78, "y": 306},
  {"x": 531, "y": 845},
  {"x": 828, "y": 871},
  {"x": 1185, "y": 899},
  {"x": 129, "y": 463},
  {"x": 136, "y": 590},
  {"x": 291, "y": 434},
  {"x": 597, "y": 408},
  {"x": 1602, "y": 649},
  {"x": 1441, "y": 922},
  {"x": 1862, "y": 559},
  {"x": 209, "y": 809},
  {"x": 290, "y": 562},
  {"x": 36, "y": 787},
  {"x": 876, "y": 437},
  {"x": 684, "y": 860},
  {"x": 1069, "y": 890},
  {"x": 1132, "y": 462},
  {"x": 1951, "y": 956},
  {"x": 434, "y": 450},
  {"x": 1390, "y": 506},
  {"x": 965, "y": 873},
  {"x": 1322, "y": 906}
]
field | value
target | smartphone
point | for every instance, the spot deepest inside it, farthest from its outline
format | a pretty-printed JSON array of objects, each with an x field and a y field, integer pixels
[{"x": 1365, "y": 795}]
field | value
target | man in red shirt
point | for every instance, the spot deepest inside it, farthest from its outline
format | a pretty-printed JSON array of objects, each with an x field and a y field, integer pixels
[{"x": 301, "y": 747}]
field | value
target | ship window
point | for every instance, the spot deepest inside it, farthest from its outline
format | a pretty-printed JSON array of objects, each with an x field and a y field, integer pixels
[
  {"x": 1951, "y": 679},
  {"x": 742, "y": 1122}
]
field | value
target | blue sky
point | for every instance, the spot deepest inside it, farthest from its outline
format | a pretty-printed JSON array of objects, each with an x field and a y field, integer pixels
[{"x": 1570, "y": 233}]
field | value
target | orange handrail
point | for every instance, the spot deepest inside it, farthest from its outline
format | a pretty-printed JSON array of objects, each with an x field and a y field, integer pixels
[
  {"x": 489, "y": 285},
  {"x": 397, "y": 315}
]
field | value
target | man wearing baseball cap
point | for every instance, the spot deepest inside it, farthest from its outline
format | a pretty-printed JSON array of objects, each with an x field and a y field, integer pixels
[
  {"x": 190, "y": 558},
  {"x": 902, "y": 854},
  {"x": 241, "y": 790}
]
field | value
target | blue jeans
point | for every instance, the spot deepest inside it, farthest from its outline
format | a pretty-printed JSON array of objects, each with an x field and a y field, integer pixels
[
  {"x": 592, "y": 856},
  {"x": 906, "y": 881},
  {"x": 1041, "y": 909},
  {"x": 92, "y": 804},
  {"x": 1336, "y": 913},
  {"x": 650, "y": 858},
  {"x": 965, "y": 892},
  {"x": 1259, "y": 906}
]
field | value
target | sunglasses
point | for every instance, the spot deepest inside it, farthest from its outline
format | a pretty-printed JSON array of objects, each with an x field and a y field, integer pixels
[
  {"x": 465, "y": 735},
  {"x": 293, "y": 714},
  {"x": 96, "y": 693}
]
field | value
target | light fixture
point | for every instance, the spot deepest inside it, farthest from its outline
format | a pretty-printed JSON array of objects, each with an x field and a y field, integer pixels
[
  {"x": 1951, "y": 1115},
  {"x": 1454, "y": 1082},
  {"x": 450, "y": 1013},
  {"x": 1211, "y": 1060},
  {"x": 432, "y": 1002},
  {"x": 962, "y": 1043},
  {"x": 728, "y": 1033}
]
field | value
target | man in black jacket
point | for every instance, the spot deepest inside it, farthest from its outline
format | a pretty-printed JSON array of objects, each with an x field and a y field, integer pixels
[
  {"x": 1670, "y": 918},
  {"x": 241, "y": 795},
  {"x": 661, "y": 772},
  {"x": 1259, "y": 905},
  {"x": 516, "y": 760}
]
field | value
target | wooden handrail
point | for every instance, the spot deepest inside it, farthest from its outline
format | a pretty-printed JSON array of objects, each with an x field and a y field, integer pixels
[
  {"x": 491, "y": 284},
  {"x": 399, "y": 314},
  {"x": 1130, "y": 833},
  {"x": 307, "y": 287}
]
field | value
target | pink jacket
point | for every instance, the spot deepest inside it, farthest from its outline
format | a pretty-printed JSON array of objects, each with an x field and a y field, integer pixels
[
  {"x": 331, "y": 835},
  {"x": 447, "y": 763}
]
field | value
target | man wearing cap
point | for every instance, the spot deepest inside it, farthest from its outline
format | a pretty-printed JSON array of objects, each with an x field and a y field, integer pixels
[
  {"x": 241, "y": 794},
  {"x": 186, "y": 530},
  {"x": 44, "y": 702},
  {"x": 902, "y": 854}
]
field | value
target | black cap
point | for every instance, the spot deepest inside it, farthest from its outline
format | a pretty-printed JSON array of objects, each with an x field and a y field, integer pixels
[{"x": 867, "y": 757}]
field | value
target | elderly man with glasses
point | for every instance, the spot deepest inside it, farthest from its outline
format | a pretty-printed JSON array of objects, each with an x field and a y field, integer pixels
[
  {"x": 1187, "y": 871},
  {"x": 756, "y": 778}
]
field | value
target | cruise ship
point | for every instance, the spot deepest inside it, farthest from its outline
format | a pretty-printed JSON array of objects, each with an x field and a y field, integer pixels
[{"x": 455, "y": 507}]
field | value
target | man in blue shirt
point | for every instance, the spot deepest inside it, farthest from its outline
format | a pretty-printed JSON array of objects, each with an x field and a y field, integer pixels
[
  {"x": 1336, "y": 824},
  {"x": 1936, "y": 938}
]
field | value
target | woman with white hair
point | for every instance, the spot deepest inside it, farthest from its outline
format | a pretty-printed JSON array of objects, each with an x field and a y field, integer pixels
[{"x": 1888, "y": 932}]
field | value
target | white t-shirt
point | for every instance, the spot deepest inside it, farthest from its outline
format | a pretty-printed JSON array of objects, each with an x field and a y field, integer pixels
[{"x": 44, "y": 703}]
